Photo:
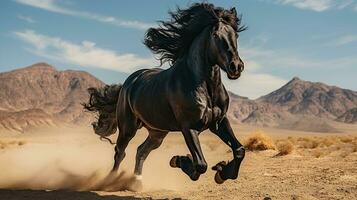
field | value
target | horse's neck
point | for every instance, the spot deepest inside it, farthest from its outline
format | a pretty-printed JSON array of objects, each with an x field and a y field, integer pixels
[{"x": 197, "y": 62}]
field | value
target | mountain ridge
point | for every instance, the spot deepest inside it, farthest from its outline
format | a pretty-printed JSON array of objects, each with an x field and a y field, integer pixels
[
  {"x": 287, "y": 106},
  {"x": 57, "y": 94},
  {"x": 57, "y": 97}
]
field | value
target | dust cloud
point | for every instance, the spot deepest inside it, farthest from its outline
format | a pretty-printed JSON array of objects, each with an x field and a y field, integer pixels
[{"x": 77, "y": 160}]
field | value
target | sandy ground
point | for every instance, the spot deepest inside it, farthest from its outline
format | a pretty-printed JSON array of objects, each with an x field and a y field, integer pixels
[{"x": 73, "y": 164}]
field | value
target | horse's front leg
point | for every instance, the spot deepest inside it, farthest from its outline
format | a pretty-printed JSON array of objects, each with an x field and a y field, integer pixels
[
  {"x": 228, "y": 170},
  {"x": 193, "y": 166}
]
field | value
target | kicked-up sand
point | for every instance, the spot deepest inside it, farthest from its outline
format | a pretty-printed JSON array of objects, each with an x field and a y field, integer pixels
[{"x": 73, "y": 164}]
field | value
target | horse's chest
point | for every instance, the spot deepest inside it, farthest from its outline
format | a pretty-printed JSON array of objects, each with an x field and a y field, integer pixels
[
  {"x": 197, "y": 109},
  {"x": 204, "y": 122},
  {"x": 210, "y": 113}
]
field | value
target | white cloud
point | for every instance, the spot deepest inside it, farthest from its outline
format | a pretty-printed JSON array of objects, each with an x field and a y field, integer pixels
[
  {"x": 26, "y": 19},
  {"x": 317, "y": 5},
  {"x": 344, "y": 40},
  {"x": 274, "y": 58},
  {"x": 254, "y": 84},
  {"x": 85, "y": 54},
  {"x": 52, "y": 6},
  {"x": 256, "y": 80},
  {"x": 345, "y": 4}
]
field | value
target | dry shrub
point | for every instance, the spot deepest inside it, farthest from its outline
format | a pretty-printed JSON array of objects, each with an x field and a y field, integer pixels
[
  {"x": 259, "y": 142},
  {"x": 354, "y": 145},
  {"x": 285, "y": 148},
  {"x": 7, "y": 144},
  {"x": 341, "y": 145},
  {"x": 3, "y": 145},
  {"x": 354, "y": 148},
  {"x": 318, "y": 153},
  {"x": 293, "y": 140},
  {"x": 327, "y": 142},
  {"x": 346, "y": 139},
  {"x": 308, "y": 142}
]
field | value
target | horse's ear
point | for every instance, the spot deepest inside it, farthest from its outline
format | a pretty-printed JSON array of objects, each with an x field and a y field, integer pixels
[{"x": 233, "y": 11}]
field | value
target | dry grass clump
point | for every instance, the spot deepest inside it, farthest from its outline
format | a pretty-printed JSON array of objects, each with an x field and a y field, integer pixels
[
  {"x": 315, "y": 142},
  {"x": 316, "y": 146},
  {"x": 346, "y": 139},
  {"x": 293, "y": 140},
  {"x": 354, "y": 145},
  {"x": 259, "y": 141},
  {"x": 341, "y": 146},
  {"x": 7, "y": 144},
  {"x": 318, "y": 153},
  {"x": 285, "y": 147},
  {"x": 354, "y": 149},
  {"x": 308, "y": 142},
  {"x": 328, "y": 141}
]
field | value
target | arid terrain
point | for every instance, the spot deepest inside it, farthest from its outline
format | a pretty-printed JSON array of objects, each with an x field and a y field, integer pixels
[
  {"x": 302, "y": 142},
  {"x": 68, "y": 163}
]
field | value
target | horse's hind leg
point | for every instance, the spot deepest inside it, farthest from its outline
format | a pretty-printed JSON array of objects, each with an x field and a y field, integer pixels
[
  {"x": 153, "y": 141},
  {"x": 126, "y": 133}
]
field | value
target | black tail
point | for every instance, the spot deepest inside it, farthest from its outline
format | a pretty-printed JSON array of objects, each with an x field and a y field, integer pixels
[{"x": 103, "y": 101}]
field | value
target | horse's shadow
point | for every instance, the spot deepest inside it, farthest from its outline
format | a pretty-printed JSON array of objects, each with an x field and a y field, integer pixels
[{"x": 60, "y": 194}]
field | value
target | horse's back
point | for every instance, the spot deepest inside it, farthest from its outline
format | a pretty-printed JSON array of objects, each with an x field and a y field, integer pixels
[{"x": 146, "y": 92}]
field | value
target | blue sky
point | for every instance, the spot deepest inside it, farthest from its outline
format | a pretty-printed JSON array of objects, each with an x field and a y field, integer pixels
[{"x": 315, "y": 40}]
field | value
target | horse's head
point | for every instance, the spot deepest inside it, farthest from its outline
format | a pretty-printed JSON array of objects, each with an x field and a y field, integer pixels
[
  {"x": 223, "y": 48},
  {"x": 219, "y": 27}
]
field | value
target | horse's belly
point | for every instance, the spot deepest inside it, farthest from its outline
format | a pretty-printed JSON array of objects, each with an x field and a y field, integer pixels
[
  {"x": 158, "y": 119},
  {"x": 155, "y": 113}
]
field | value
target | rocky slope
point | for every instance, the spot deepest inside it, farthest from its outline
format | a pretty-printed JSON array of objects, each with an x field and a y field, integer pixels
[
  {"x": 317, "y": 99},
  {"x": 348, "y": 117},
  {"x": 41, "y": 95},
  {"x": 299, "y": 104}
]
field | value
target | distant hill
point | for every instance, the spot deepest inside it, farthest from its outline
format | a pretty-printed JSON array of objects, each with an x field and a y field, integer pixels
[
  {"x": 317, "y": 99},
  {"x": 349, "y": 116},
  {"x": 41, "y": 95},
  {"x": 299, "y": 104}
]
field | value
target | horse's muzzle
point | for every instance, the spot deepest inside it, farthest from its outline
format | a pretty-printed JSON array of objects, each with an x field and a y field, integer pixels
[{"x": 235, "y": 69}]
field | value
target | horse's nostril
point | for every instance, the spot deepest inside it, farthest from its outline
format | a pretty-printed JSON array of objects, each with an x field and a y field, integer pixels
[{"x": 232, "y": 67}]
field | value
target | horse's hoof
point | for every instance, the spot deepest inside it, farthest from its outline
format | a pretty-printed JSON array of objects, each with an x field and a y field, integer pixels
[
  {"x": 195, "y": 176},
  {"x": 173, "y": 162},
  {"x": 219, "y": 166},
  {"x": 136, "y": 185},
  {"x": 218, "y": 178}
]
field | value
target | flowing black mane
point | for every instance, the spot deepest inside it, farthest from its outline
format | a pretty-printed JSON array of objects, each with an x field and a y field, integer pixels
[{"x": 173, "y": 38}]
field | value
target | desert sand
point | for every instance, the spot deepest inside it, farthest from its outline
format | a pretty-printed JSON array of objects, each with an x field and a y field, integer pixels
[{"x": 72, "y": 164}]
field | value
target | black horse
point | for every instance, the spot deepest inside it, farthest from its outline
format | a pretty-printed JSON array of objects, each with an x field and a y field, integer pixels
[{"x": 188, "y": 96}]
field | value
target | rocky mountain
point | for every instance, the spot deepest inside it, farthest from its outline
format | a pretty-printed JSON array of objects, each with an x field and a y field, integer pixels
[
  {"x": 348, "y": 117},
  {"x": 41, "y": 95},
  {"x": 299, "y": 105},
  {"x": 317, "y": 99}
]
